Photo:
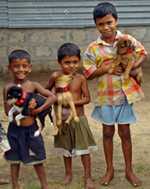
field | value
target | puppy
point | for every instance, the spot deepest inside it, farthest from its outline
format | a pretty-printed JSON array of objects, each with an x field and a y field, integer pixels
[
  {"x": 19, "y": 100},
  {"x": 64, "y": 99},
  {"x": 126, "y": 57}
]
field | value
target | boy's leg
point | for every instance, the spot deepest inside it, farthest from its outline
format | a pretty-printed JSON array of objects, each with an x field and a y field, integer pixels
[
  {"x": 68, "y": 169},
  {"x": 40, "y": 171},
  {"x": 86, "y": 161},
  {"x": 124, "y": 133},
  {"x": 108, "y": 133},
  {"x": 15, "y": 169}
]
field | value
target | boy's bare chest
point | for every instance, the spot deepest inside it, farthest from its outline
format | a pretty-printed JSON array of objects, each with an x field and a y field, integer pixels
[
  {"x": 75, "y": 86},
  {"x": 28, "y": 87}
]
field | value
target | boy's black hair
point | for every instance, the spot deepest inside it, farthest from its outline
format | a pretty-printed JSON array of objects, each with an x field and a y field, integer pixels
[
  {"x": 68, "y": 49},
  {"x": 103, "y": 9},
  {"x": 19, "y": 54}
]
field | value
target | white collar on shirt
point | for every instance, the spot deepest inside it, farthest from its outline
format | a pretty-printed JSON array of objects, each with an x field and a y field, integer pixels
[{"x": 101, "y": 41}]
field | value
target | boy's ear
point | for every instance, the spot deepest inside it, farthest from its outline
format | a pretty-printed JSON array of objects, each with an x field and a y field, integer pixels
[
  {"x": 30, "y": 68},
  {"x": 116, "y": 22}
]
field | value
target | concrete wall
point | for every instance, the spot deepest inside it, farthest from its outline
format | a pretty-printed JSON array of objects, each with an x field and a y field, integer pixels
[{"x": 42, "y": 44}]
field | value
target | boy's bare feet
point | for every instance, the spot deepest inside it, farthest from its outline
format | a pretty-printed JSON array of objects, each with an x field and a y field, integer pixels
[
  {"x": 67, "y": 179},
  {"x": 133, "y": 179},
  {"x": 4, "y": 181},
  {"x": 106, "y": 179},
  {"x": 89, "y": 184},
  {"x": 18, "y": 187},
  {"x": 46, "y": 187}
]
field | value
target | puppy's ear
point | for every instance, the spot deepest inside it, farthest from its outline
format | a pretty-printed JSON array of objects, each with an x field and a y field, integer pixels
[
  {"x": 14, "y": 92},
  {"x": 8, "y": 96}
]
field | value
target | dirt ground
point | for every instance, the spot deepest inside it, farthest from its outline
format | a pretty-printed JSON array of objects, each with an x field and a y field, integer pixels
[{"x": 54, "y": 164}]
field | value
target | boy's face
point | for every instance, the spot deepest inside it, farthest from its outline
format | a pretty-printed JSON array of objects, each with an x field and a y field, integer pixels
[
  {"x": 20, "y": 68},
  {"x": 107, "y": 26},
  {"x": 70, "y": 64}
]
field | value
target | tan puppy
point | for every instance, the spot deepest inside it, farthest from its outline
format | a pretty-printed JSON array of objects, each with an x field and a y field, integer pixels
[
  {"x": 126, "y": 56},
  {"x": 64, "y": 99}
]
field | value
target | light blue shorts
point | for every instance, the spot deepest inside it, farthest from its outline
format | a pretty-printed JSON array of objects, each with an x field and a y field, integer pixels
[{"x": 119, "y": 114}]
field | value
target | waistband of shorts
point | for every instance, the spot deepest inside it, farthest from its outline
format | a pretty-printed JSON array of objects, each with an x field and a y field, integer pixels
[{"x": 14, "y": 124}]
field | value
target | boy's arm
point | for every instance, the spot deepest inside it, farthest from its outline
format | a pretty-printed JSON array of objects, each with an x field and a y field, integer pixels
[
  {"x": 103, "y": 69},
  {"x": 85, "y": 93},
  {"x": 51, "y": 81},
  {"x": 140, "y": 61},
  {"x": 51, "y": 98},
  {"x": 90, "y": 62},
  {"x": 140, "y": 51}
]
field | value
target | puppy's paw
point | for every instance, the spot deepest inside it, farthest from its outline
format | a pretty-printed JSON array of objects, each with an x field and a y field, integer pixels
[
  {"x": 55, "y": 131},
  {"x": 37, "y": 133},
  {"x": 18, "y": 122},
  {"x": 10, "y": 119}
]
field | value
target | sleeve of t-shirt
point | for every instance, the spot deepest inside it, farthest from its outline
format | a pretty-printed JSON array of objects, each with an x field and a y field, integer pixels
[
  {"x": 91, "y": 59},
  {"x": 88, "y": 62},
  {"x": 139, "y": 48}
]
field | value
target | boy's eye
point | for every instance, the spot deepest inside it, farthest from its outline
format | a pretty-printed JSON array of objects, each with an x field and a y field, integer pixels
[
  {"x": 67, "y": 62},
  {"x": 74, "y": 62},
  {"x": 16, "y": 66},
  {"x": 109, "y": 23},
  {"x": 23, "y": 66},
  {"x": 100, "y": 24}
]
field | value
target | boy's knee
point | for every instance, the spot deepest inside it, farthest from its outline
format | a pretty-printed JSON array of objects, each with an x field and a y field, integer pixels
[
  {"x": 108, "y": 134},
  {"x": 123, "y": 134}
]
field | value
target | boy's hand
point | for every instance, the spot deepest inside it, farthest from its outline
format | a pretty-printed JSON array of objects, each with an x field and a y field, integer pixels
[
  {"x": 117, "y": 70},
  {"x": 104, "y": 68},
  {"x": 32, "y": 104},
  {"x": 133, "y": 72},
  {"x": 34, "y": 112}
]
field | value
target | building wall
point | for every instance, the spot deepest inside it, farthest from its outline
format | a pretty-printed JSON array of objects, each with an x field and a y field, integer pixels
[
  {"x": 42, "y": 44},
  {"x": 41, "y": 27},
  {"x": 68, "y": 13}
]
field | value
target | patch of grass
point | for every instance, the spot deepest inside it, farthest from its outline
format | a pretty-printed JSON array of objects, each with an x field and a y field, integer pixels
[
  {"x": 140, "y": 168},
  {"x": 32, "y": 186}
]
